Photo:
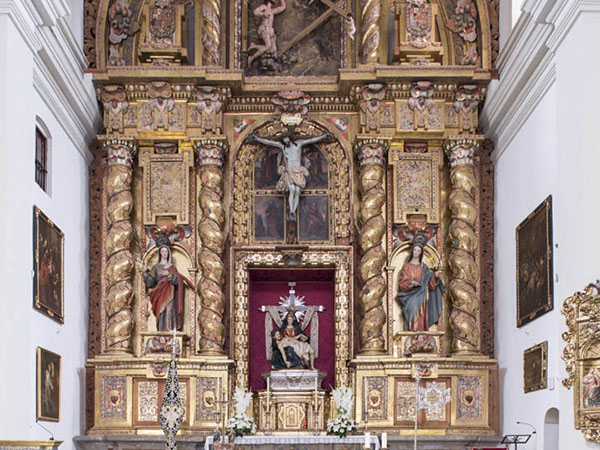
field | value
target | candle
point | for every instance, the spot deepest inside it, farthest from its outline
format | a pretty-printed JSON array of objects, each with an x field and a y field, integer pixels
[
  {"x": 316, "y": 390},
  {"x": 384, "y": 440},
  {"x": 268, "y": 392},
  {"x": 174, "y": 340},
  {"x": 365, "y": 396},
  {"x": 395, "y": 351},
  {"x": 367, "y": 439}
]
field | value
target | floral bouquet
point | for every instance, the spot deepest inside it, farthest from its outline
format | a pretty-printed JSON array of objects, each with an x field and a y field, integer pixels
[
  {"x": 342, "y": 425},
  {"x": 240, "y": 424}
]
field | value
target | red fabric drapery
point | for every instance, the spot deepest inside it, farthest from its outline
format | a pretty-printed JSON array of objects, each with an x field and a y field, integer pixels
[{"x": 264, "y": 290}]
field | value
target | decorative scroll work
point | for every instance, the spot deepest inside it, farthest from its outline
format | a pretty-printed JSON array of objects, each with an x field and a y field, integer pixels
[
  {"x": 371, "y": 156},
  {"x": 582, "y": 358},
  {"x": 211, "y": 156},
  {"x": 119, "y": 262},
  {"x": 463, "y": 242}
]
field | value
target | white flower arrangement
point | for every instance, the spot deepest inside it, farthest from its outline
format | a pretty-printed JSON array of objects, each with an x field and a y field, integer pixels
[
  {"x": 240, "y": 424},
  {"x": 342, "y": 424}
]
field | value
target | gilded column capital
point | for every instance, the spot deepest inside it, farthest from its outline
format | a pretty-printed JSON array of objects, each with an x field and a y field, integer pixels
[
  {"x": 371, "y": 150},
  {"x": 462, "y": 150},
  {"x": 120, "y": 151},
  {"x": 211, "y": 151}
]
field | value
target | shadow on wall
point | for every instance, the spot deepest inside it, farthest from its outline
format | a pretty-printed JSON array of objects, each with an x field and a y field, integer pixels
[{"x": 551, "y": 429}]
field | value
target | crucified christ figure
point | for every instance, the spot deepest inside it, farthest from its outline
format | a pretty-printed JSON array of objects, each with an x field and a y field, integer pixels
[
  {"x": 293, "y": 173},
  {"x": 266, "y": 14}
]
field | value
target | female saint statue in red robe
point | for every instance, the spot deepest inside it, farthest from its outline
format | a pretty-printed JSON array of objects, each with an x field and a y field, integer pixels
[{"x": 166, "y": 288}]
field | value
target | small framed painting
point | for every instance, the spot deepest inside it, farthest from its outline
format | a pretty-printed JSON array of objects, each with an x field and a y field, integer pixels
[
  {"x": 48, "y": 275},
  {"x": 535, "y": 367},
  {"x": 48, "y": 385},
  {"x": 534, "y": 264}
]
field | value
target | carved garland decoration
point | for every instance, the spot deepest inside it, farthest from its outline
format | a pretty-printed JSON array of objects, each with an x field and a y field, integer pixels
[
  {"x": 582, "y": 358},
  {"x": 341, "y": 259},
  {"x": 242, "y": 172}
]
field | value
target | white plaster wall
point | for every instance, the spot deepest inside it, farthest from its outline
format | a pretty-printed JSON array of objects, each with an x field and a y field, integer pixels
[
  {"x": 544, "y": 117},
  {"x": 524, "y": 176},
  {"x": 30, "y": 87},
  {"x": 577, "y": 219}
]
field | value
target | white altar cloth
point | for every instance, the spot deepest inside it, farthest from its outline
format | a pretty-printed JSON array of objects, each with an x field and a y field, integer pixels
[{"x": 298, "y": 439}]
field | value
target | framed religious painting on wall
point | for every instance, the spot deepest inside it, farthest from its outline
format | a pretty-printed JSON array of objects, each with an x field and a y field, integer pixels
[
  {"x": 48, "y": 385},
  {"x": 534, "y": 264},
  {"x": 48, "y": 274},
  {"x": 535, "y": 367}
]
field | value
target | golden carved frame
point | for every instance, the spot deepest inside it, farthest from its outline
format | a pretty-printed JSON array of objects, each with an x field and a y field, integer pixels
[
  {"x": 582, "y": 357},
  {"x": 339, "y": 194},
  {"x": 339, "y": 258}
]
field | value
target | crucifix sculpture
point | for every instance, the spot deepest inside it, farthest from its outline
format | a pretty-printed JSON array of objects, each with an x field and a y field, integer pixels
[{"x": 287, "y": 346}]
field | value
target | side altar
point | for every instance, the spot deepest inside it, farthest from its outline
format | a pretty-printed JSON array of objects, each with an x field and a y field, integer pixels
[{"x": 300, "y": 190}]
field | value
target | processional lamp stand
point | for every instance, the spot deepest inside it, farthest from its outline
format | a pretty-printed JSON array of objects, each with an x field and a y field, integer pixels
[{"x": 516, "y": 439}]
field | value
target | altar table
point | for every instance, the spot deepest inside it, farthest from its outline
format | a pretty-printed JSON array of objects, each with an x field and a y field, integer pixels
[{"x": 324, "y": 442}]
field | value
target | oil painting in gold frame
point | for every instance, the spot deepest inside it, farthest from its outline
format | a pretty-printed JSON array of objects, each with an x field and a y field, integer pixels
[
  {"x": 534, "y": 264},
  {"x": 535, "y": 367},
  {"x": 48, "y": 264},
  {"x": 48, "y": 385}
]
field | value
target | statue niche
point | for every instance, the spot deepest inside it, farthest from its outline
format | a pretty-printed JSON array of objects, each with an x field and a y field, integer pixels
[
  {"x": 166, "y": 287},
  {"x": 418, "y": 294}
]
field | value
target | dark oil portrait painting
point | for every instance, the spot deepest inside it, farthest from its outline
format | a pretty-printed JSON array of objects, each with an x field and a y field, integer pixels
[
  {"x": 317, "y": 167},
  {"x": 535, "y": 367},
  {"x": 48, "y": 248},
  {"x": 287, "y": 37},
  {"x": 265, "y": 168},
  {"x": 534, "y": 264},
  {"x": 48, "y": 385},
  {"x": 314, "y": 218},
  {"x": 268, "y": 218}
]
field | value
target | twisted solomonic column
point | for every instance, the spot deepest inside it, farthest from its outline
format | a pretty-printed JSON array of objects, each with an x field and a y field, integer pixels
[
  {"x": 211, "y": 32},
  {"x": 119, "y": 261},
  {"x": 463, "y": 243},
  {"x": 370, "y": 10},
  {"x": 371, "y": 157},
  {"x": 210, "y": 154}
]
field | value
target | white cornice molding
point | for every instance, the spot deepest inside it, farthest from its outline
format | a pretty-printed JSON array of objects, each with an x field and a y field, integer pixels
[
  {"x": 527, "y": 66},
  {"x": 58, "y": 66}
]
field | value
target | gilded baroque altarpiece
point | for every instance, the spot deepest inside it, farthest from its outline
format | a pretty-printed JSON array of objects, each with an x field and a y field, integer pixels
[{"x": 247, "y": 143}]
